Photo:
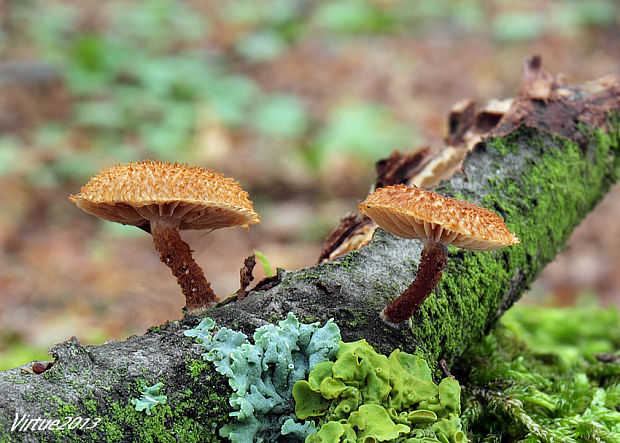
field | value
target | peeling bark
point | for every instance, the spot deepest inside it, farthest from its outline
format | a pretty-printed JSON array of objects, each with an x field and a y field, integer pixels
[
  {"x": 544, "y": 167},
  {"x": 398, "y": 168},
  {"x": 246, "y": 276}
]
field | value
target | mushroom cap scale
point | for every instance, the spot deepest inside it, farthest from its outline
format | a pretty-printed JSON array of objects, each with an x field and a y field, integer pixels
[
  {"x": 188, "y": 196},
  {"x": 411, "y": 212}
]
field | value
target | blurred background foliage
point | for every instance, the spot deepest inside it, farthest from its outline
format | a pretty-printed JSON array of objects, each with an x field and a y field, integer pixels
[{"x": 297, "y": 99}]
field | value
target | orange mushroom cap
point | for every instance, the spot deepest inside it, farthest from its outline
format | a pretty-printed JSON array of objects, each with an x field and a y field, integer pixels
[
  {"x": 188, "y": 196},
  {"x": 412, "y": 212}
]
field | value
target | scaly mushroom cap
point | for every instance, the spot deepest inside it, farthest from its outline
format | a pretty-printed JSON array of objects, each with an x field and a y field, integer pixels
[
  {"x": 417, "y": 213},
  {"x": 188, "y": 196}
]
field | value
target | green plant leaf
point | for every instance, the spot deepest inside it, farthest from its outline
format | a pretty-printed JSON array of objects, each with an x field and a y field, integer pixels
[
  {"x": 280, "y": 115},
  {"x": 513, "y": 26},
  {"x": 352, "y": 16},
  {"x": 266, "y": 265},
  {"x": 260, "y": 46},
  {"x": 363, "y": 129}
]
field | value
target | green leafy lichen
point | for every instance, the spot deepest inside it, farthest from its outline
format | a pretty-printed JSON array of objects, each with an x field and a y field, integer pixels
[{"x": 366, "y": 396}]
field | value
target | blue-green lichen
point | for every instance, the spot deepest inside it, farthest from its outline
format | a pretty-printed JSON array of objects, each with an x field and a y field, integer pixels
[
  {"x": 262, "y": 374},
  {"x": 151, "y": 397},
  {"x": 364, "y": 396}
]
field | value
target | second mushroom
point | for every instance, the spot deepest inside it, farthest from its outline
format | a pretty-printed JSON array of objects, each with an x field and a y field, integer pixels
[
  {"x": 163, "y": 198},
  {"x": 412, "y": 212}
]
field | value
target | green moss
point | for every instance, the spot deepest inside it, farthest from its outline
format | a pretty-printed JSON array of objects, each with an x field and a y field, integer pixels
[
  {"x": 347, "y": 260},
  {"x": 6, "y": 434},
  {"x": 156, "y": 328},
  {"x": 572, "y": 333},
  {"x": 195, "y": 367},
  {"x": 354, "y": 318},
  {"x": 53, "y": 374},
  {"x": 541, "y": 202},
  {"x": 164, "y": 424},
  {"x": 310, "y": 275},
  {"x": 386, "y": 290},
  {"x": 30, "y": 396},
  {"x": 190, "y": 415},
  {"x": 90, "y": 405},
  {"x": 62, "y": 410},
  {"x": 274, "y": 318},
  {"x": 536, "y": 378}
]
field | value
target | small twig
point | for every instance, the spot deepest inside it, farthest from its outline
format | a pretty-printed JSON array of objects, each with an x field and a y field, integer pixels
[
  {"x": 246, "y": 276},
  {"x": 443, "y": 365}
]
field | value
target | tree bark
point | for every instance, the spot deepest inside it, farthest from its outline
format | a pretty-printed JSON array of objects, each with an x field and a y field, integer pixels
[{"x": 543, "y": 167}]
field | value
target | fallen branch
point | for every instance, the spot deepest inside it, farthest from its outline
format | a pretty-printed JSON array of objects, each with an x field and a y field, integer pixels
[{"x": 546, "y": 162}]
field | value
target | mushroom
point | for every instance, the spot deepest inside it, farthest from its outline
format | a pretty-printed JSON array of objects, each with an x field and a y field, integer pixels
[
  {"x": 412, "y": 212},
  {"x": 163, "y": 198}
]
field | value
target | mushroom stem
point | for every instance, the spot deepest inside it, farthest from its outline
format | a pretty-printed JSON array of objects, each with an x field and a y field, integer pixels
[
  {"x": 432, "y": 263},
  {"x": 177, "y": 255}
]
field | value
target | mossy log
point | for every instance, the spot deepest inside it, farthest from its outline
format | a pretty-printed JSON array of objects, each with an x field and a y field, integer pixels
[{"x": 543, "y": 167}]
